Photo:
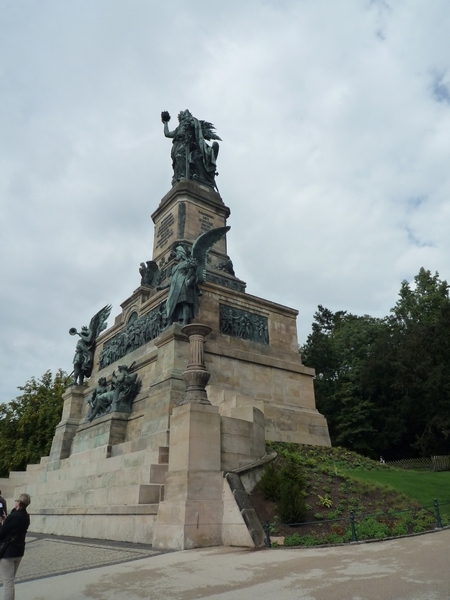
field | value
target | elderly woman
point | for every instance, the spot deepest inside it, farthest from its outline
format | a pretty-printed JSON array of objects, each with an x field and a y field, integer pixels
[{"x": 12, "y": 532}]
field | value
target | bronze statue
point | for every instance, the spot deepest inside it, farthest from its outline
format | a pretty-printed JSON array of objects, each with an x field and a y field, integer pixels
[
  {"x": 149, "y": 274},
  {"x": 118, "y": 396},
  {"x": 84, "y": 352},
  {"x": 126, "y": 387},
  {"x": 99, "y": 401},
  {"x": 182, "y": 302},
  {"x": 192, "y": 157}
]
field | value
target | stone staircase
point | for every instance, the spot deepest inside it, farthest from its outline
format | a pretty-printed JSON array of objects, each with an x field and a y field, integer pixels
[{"x": 110, "y": 492}]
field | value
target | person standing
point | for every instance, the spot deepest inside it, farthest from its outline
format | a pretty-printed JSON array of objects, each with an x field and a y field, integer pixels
[
  {"x": 13, "y": 531},
  {"x": 3, "y": 507}
]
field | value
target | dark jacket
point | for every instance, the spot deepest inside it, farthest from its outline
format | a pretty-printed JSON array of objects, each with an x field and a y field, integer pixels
[
  {"x": 3, "y": 506},
  {"x": 15, "y": 528}
]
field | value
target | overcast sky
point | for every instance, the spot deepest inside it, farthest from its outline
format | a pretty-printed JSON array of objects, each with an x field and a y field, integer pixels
[{"x": 335, "y": 160}]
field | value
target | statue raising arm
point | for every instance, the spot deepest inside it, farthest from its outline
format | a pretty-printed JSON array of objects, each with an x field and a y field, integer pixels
[
  {"x": 165, "y": 118},
  {"x": 192, "y": 157}
]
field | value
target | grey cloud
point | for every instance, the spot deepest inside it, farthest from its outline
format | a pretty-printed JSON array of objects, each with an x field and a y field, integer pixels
[
  {"x": 440, "y": 89},
  {"x": 324, "y": 128}
]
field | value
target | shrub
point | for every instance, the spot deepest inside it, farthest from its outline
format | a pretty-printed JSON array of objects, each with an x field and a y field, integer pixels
[
  {"x": 297, "y": 540},
  {"x": 286, "y": 486},
  {"x": 291, "y": 503},
  {"x": 335, "y": 514},
  {"x": 370, "y": 528},
  {"x": 325, "y": 501},
  {"x": 270, "y": 482},
  {"x": 399, "y": 528},
  {"x": 292, "y": 540},
  {"x": 423, "y": 520}
]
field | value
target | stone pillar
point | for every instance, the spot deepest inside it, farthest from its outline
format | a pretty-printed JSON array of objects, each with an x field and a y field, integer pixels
[
  {"x": 196, "y": 376},
  {"x": 191, "y": 514},
  {"x": 74, "y": 403}
]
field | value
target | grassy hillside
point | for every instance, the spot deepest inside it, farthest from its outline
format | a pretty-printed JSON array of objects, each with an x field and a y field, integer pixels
[
  {"x": 323, "y": 486},
  {"x": 422, "y": 486}
]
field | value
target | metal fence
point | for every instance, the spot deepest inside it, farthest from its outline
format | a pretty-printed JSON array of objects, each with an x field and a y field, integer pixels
[
  {"x": 433, "y": 463},
  {"x": 353, "y": 520}
]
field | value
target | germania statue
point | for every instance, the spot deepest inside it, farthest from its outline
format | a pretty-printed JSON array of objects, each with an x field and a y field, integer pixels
[{"x": 192, "y": 157}]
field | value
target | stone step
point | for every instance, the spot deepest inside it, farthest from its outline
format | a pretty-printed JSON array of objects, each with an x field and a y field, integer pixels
[
  {"x": 124, "y": 509},
  {"x": 18, "y": 476},
  {"x": 128, "y": 523},
  {"x": 57, "y": 481},
  {"x": 141, "y": 443},
  {"x": 93, "y": 479},
  {"x": 99, "y": 497},
  {"x": 95, "y": 466},
  {"x": 35, "y": 468},
  {"x": 111, "y": 474},
  {"x": 158, "y": 473}
]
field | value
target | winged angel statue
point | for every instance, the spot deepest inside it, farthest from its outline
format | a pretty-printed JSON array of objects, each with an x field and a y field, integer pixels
[
  {"x": 192, "y": 157},
  {"x": 84, "y": 352},
  {"x": 182, "y": 302}
]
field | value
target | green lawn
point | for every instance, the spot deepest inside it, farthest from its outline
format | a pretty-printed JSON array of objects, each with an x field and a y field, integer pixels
[{"x": 422, "y": 486}]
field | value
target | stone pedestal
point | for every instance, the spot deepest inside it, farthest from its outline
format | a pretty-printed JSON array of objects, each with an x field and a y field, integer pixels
[
  {"x": 185, "y": 212},
  {"x": 74, "y": 401},
  {"x": 108, "y": 430},
  {"x": 191, "y": 514}
]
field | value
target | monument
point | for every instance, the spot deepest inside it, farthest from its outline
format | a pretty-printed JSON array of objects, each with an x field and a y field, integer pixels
[{"x": 185, "y": 387}]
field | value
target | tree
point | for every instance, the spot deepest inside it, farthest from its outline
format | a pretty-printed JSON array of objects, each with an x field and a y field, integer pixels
[
  {"x": 420, "y": 325},
  {"x": 384, "y": 384},
  {"x": 339, "y": 348},
  {"x": 27, "y": 424}
]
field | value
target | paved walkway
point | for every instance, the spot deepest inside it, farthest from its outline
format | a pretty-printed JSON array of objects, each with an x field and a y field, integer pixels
[{"x": 413, "y": 568}]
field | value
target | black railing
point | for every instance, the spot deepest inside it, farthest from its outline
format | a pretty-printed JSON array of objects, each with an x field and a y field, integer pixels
[{"x": 352, "y": 520}]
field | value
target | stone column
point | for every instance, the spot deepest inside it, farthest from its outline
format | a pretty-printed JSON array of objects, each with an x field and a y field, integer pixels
[
  {"x": 190, "y": 515},
  {"x": 74, "y": 404},
  {"x": 196, "y": 376}
]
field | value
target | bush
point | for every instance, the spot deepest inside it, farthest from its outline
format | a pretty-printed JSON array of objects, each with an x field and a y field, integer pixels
[
  {"x": 270, "y": 482},
  {"x": 298, "y": 540},
  {"x": 291, "y": 505},
  {"x": 423, "y": 520},
  {"x": 370, "y": 528},
  {"x": 399, "y": 528},
  {"x": 286, "y": 486}
]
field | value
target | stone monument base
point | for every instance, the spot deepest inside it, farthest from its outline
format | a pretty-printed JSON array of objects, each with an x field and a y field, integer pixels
[
  {"x": 172, "y": 497},
  {"x": 168, "y": 471}
]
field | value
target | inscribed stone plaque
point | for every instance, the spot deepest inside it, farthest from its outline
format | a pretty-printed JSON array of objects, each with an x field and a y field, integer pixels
[
  {"x": 164, "y": 232},
  {"x": 206, "y": 221}
]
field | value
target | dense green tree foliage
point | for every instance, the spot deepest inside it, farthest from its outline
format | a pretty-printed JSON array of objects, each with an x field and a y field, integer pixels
[
  {"x": 384, "y": 384},
  {"x": 27, "y": 424}
]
